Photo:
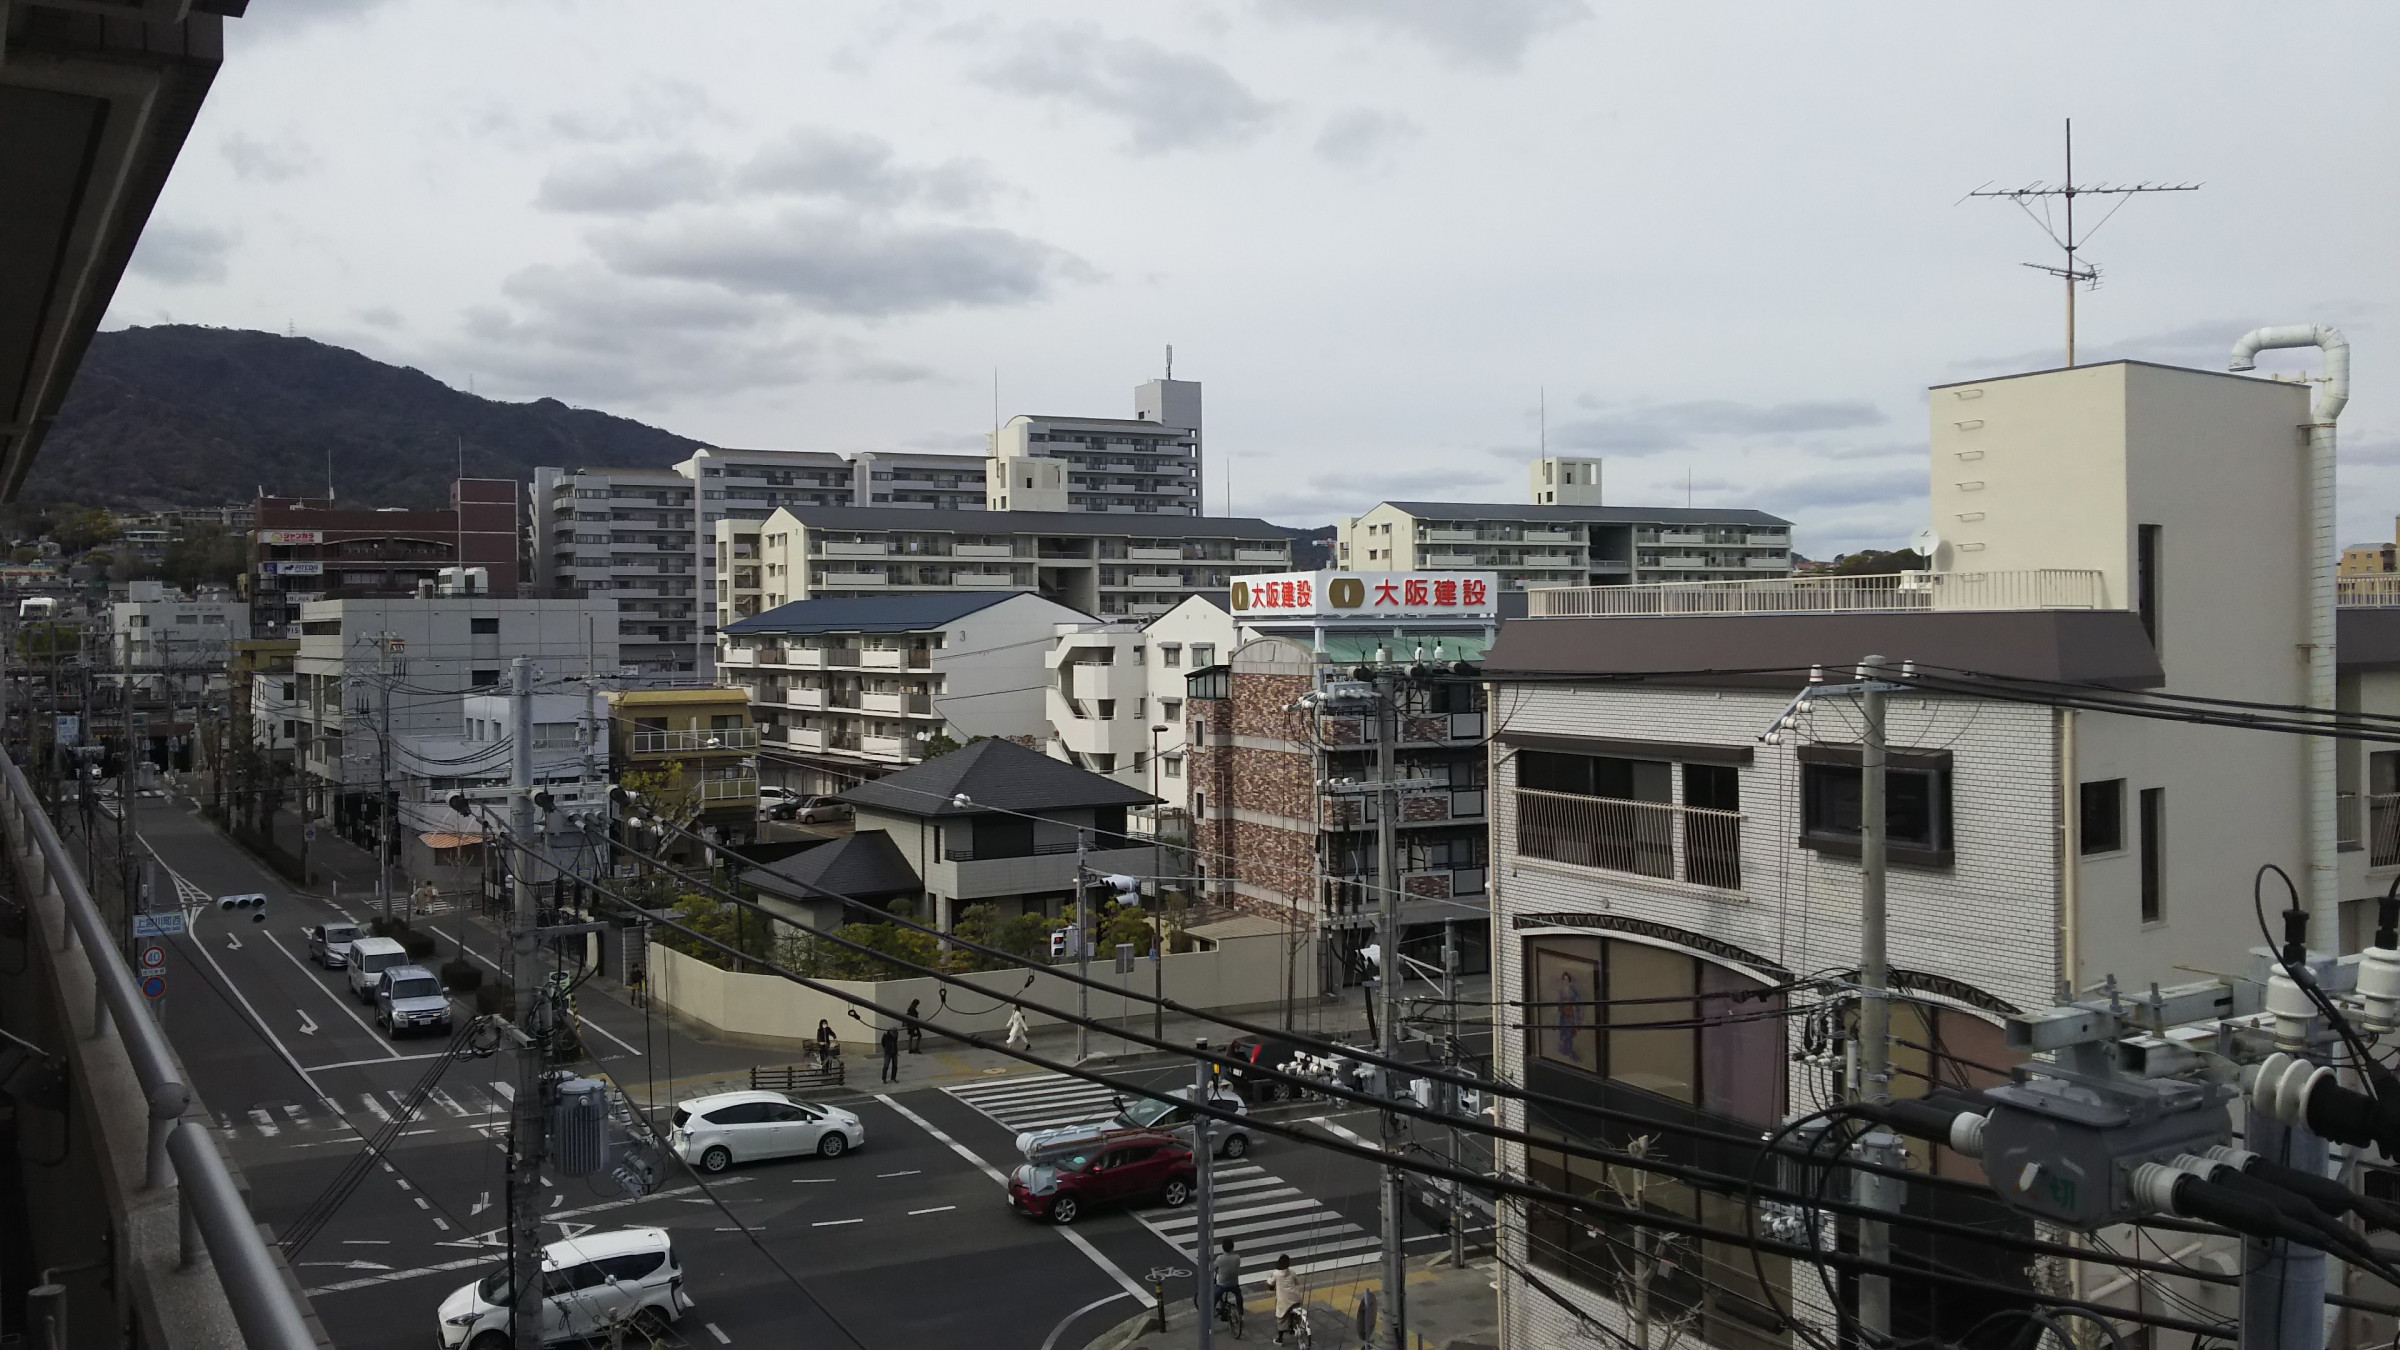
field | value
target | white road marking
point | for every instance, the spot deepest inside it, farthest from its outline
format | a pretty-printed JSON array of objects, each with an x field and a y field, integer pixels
[
  {"x": 421, "y": 1203},
  {"x": 722, "y": 1338},
  {"x": 909, "y": 1173},
  {"x": 232, "y": 943},
  {"x": 449, "y": 1104},
  {"x": 375, "y": 1108},
  {"x": 266, "y": 1123},
  {"x": 830, "y": 1223},
  {"x": 1074, "y": 1239},
  {"x": 437, "y": 1222},
  {"x": 300, "y": 1120},
  {"x": 482, "y": 1203},
  {"x": 339, "y": 1000},
  {"x": 507, "y": 1093},
  {"x": 610, "y": 1034},
  {"x": 937, "y": 1209},
  {"x": 308, "y": 1025},
  {"x": 366, "y": 1242}
]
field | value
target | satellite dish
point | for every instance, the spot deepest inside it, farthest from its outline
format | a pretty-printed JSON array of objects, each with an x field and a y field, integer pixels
[{"x": 1926, "y": 542}]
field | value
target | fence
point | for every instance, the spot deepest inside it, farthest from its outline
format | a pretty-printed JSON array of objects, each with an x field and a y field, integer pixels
[
  {"x": 2040, "y": 588},
  {"x": 1651, "y": 839}
]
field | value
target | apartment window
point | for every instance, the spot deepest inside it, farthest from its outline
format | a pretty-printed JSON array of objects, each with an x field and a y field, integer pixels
[
  {"x": 1204, "y": 654},
  {"x": 481, "y": 678},
  {"x": 2100, "y": 817},
  {"x": 289, "y": 693},
  {"x": 490, "y": 625},
  {"x": 2154, "y": 855},
  {"x": 1170, "y": 709},
  {"x": 1916, "y": 808},
  {"x": 1173, "y": 765},
  {"x": 1170, "y": 654},
  {"x": 2146, "y": 579}
]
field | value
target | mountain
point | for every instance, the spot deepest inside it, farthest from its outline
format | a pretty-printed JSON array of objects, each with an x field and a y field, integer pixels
[{"x": 180, "y": 415}]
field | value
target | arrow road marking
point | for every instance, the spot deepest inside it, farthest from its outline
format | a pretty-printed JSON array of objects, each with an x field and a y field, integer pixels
[
  {"x": 481, "y": 1204},
  {"x": 308, "y": 1025},
  {"x": 232, "y": 943}
]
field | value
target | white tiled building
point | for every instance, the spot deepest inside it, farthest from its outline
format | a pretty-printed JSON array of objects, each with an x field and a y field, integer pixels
[{"x": 159, "y": 630}]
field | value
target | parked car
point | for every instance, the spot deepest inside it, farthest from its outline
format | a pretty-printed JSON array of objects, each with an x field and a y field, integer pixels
[
  {"x": 1123, "y": 1167},
  {"x": 411, "y": 998},
  {"x": 1232, "y": 1138},
  {"x": 776, "y": 803},
  {"x": 821, "y": 811},
  {"x": 590, "y": 1284},
  {"x": 329, "y": 944},
  {"x": 367, "y": 959},
  {"x": 713, "y": 1133}
]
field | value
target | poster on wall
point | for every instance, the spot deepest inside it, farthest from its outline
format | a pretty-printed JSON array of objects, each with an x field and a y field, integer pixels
[{"x": 1565, "y": 993}]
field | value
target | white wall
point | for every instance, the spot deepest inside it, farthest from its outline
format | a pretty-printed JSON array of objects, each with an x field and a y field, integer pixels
[{"x": 993, "y": 672}]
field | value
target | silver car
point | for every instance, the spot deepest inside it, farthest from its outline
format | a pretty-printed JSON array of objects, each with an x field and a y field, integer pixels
[
  {"x": 329, "y": 944},
  {"x": 1232, "y": 1136},
  {"x": 411, "y": 998}
]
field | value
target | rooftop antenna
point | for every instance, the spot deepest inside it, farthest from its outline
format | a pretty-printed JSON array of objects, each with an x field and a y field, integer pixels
[
  {"x": 458, "y": 512},
  {"x": 1544, "y": 396},
  {"x": 1170, "y": 360},
  {"x": 2067, "y": 190}
]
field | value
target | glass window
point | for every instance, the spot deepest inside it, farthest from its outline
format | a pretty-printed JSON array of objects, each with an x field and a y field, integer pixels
[
  {"x": 1649, "y": 985},
  {"x": 1170, "y": 654},
  {"x": 1204, "y": 653},
  {"x": 1916, "y": 808},
  {"x": 631, "y": 1267},
  {"x": 2101, "y": 816}
]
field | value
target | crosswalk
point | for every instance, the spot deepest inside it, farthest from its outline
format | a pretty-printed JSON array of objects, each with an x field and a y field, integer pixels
[
  {"x": 321, "y": 1122},
  {"x": 1266, "y": 1216}
]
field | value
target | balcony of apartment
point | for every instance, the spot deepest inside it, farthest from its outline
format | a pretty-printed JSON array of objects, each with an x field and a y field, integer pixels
[
  {"x": 1768, "y": 539},
  {"x": 823, "y": 657},
  {"x": 726, "y": 793},
  {"x": 1262, "y": 555},
  {"x": 886, "y": 749},
  {"x": 2038, "y": 588},
  {"x": 1444, "y": 806},
  {"x": 836, "y": 579},
  {"x": 1415, "y": 728},
  {"x": 1767, "y": 562},
  {"x": 1447, "y": 535},
  {"x": 996, "y": 581},
  {"x": 1689, "y": 844},
  {"x": 695, "y": 741},
  {"x": 896, "y": 704},
  {"x": 894, "y": 658},
  {"x": 1686, "y": 562},
  {"x": 1154, "y": 554},
  {"x": 982, "y": 551}
]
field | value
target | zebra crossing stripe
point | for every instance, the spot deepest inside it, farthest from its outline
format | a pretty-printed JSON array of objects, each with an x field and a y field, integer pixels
[
  {"x": 449, "y": 1104},
  {"x": 375, "y": 1108},
  {"x": 265, "y": 1122}
]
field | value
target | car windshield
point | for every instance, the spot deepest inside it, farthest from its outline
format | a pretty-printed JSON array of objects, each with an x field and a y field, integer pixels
[
  {"x": 1146, "y": 1112},
  {"x": 340, "y": 932},
  {"x": 417, "y": 986},
  {"x": 493, "y": 1288},
  {"x": 373, "y": 961}
]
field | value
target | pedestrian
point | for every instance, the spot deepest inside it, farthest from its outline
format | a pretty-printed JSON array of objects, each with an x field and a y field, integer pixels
[
  {"x": 891, "y": 1054},
  {"x": 1287, "y": 1297},
  {"x": 916, "y": 1033},
  {"x": 1018, "y": 1036},
  {"x": 825, "y": 1043}
]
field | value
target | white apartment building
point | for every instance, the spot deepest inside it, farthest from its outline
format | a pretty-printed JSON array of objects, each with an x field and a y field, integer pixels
[
  {"x": 161, "y": 635},
  {"x": 372, "y": 672},
  {"x": 629, "y": 536},
  {"x": 1115, "y": 692},
  {"x": 1097, "y": 564},
  {"x": 1570, "y": 543},
  {"x": 2112, "y": 529},
  {"x": 570, "y": 761},
  {"x": 844, "y": 690},
  {"x": 1148, "y": 464}
]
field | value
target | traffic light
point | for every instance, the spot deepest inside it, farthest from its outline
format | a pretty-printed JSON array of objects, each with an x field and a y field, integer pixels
[{"x": 253, "y": 903}]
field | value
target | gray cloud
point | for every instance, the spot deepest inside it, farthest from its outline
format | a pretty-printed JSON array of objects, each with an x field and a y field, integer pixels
[
  {"x": 652, "y": 109},
  {"x": 628, "y": 184},
  {"x": 1490, "y": 34},
  {"x": 1356, "y": 136},
  {"x": 1842, "y": 489},
  {"x": 857, "y": 266},
  {"x": 379, "y": 316},
  {"x": 1650, "y": 428},
  {"x": 274, "y": 21},
  {"x": 813, "y": 161},
  {"x": 181, "y": 255},
  {"x": 274, "y": 161},
  {"x": 1167, "y": 100}
]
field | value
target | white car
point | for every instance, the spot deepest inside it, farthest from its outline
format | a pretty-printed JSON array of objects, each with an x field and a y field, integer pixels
[
  {"x": 590, "y": 1284},
  {"x": 714, "y": 1133}
]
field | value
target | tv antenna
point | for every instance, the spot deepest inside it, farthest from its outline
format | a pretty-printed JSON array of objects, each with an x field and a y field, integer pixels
[{"x": 2066, "y": 191}]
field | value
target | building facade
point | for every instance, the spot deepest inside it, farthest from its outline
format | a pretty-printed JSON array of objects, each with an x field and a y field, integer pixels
[
  {"x": 628, "y": 535},
  {"x": 168, "y": 642},
  {"x": 1148, "y": 464},
  {"x": 310, "y": 549},
  {"x": 438, "y": 843},
  {"x": 1116, "y": 691},
  {"x": 1530, "y": 547},
  {"x": 694, "y": 752}
]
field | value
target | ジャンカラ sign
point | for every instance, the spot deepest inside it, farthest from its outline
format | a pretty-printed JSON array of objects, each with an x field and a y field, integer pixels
[{"x": 1413, "y": 594}]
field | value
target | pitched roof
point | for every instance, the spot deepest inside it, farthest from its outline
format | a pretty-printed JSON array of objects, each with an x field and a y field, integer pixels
[
  {"x": 995, "y": 775},
  {"x": 866, "y": 865},
  {"x": 872, "y": 613}
]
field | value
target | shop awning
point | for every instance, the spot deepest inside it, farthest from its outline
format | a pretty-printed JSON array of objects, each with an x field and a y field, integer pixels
[{"x": 441, "y": 839}]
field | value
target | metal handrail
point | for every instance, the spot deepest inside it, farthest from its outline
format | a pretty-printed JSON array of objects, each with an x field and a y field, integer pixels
[{"x": 254, "y": 1287}]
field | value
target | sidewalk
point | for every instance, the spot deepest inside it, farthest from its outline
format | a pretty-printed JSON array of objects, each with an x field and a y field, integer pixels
[{"x": 1448, "y": 1309}]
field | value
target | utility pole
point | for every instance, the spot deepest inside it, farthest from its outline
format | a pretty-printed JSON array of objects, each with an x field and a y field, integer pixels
[
  {"x": 384, "y": 802},
  {"x": 1458, "y": 1199},
  {"x": 1387, "y": 872},
  {"x": 528, "y": 1137},
  {"x": 1204, "y": 1196},
  {"x": 1083, "y": 950},
  {"x": 1874, "y": 1008}
]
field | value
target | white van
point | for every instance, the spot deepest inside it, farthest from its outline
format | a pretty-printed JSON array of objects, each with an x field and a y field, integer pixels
[
  {"x": 368, "y": 958},
  {"x": 590, "y": 1284}
]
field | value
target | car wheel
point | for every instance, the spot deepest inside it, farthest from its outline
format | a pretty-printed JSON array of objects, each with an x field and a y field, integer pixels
[
  {"x": 1065, "y": 1209},
  {"x": 490, "y": 1340},
  {"x": 1175, "y": 1192},
  {"x": 653, "y": 1322},
  {"x": 834, "y": 1144},
  {"x": 1236, "y": 1146},
  {"x": 716, "y": 1159}
]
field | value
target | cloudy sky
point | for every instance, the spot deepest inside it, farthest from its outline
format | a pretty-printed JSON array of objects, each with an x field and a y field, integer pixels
[{"x": 1724, "y": 243}]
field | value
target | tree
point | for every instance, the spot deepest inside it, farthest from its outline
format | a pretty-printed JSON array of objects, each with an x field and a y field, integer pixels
[
  {"x": 939, "y": 744},
  {"x": 77, "y": 528},
  {"x": 206, "y": 554},
  {"x": 1877, "y": 563}
]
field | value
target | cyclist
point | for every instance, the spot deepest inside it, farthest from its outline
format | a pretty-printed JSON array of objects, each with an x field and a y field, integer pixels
[
  {"x": 1225, "y": 1272},
  {"x": 1287, "y": 1299}
]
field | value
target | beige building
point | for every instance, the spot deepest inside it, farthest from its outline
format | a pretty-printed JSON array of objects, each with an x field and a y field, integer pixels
[
  {"x": 1147, "y": 464},
  {"x": 1537, "y": 546}
]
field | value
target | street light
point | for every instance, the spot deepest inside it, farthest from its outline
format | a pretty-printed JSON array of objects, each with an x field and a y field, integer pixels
[{"x": 1155, "y": 733}]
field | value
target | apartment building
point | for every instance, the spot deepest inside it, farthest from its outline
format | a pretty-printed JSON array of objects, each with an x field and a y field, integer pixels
[
  {"x": 1115, "y": 693},
  {"x": 1147, "y": 464},
  {"x": 852, "y": 688},
  {"x": 169, "y": 642},
  {"x": 1274, "y": 839},
  {"x": 311, "y": 549},
  {"x": 475, "y": 760},
  {"x": 370, "y": 672},
  {"x": 1094, "y": 563},
  {"x": 1670, "y": 846},
  {"x": 1529, "y": 547},
  {"x": 628, "y": 535},
  {"x": 695, "y": 752}
]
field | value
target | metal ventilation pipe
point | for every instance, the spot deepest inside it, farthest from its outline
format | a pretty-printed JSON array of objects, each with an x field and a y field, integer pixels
[{"x": 2317, "y": 786}]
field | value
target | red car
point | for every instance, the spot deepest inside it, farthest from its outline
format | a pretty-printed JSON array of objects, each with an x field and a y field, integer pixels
[{"x": 1127, "y": 1165}]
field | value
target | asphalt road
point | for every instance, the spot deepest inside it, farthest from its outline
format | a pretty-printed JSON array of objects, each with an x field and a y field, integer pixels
[{"x": 907, "y": 1242}]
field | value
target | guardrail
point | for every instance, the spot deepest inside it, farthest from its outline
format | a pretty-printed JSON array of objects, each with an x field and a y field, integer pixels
[
  {"x": 2038, "y": 588},
  {"x": 2367, "y": 592},
  {"x": 213, "y": 1215}
]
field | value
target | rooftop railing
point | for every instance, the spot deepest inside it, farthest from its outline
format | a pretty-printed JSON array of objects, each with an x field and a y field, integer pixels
[{"x": 2041, "y": 588}]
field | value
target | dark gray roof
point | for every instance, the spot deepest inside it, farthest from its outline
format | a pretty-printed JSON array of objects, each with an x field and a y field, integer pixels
[
  {"x": 903, "y": 613},
  {"x": 1602, "y": 515},
  {"x": 2366, "y": 637},
  {"x": 995, "y": 775},
  {"x": 872, "y": 518},
  {"x": 2105, "y": 646},
  {"x": 866, "y": 865}
]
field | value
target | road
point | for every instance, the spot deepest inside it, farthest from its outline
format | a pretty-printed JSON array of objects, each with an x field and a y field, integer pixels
[{"x": 907, "y": 1242}]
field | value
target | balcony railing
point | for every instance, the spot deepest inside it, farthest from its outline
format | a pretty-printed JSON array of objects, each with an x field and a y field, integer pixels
[
  {"x": 2378, "y": 591},
  {"x": 694, "y": 740},
  {"x": 727, "y": 789},
  {"x": 2383, "y": 829},
  {"x": 1651, "y": 839},
  {"x": 2042, "y": 588}
]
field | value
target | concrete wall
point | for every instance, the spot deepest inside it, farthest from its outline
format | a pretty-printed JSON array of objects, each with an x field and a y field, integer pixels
[{"x": 1241, "y": 973}]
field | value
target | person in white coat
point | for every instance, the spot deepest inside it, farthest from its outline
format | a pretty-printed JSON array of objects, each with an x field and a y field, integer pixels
[{"x": 1018, "y": 1035}]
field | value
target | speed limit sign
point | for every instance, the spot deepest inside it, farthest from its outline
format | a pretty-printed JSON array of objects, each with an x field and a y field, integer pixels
[{"x": 154, "y": 958}]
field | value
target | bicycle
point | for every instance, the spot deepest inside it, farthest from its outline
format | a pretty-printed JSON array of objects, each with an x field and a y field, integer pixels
[
  {"x": 1295, "y": 1324},
  {"x": 1230, "y": 1308}
]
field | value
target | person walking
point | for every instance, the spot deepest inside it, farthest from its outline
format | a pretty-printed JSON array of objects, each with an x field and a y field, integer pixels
[
  {"x": 825, "y": 1043},
  {"x": 916, "y": 1033},
  {"x": 1287, "y": 1297},
  {"x": 891, "y": 1054},
  {"x": 1018, "y": 1035}
]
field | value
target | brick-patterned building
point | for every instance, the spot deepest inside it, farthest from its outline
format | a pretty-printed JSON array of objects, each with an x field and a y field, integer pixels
[{"x": 310, "y": 548}]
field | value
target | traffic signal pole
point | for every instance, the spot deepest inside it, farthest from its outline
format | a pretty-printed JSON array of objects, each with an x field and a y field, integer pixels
[{"x": 528, "y": 1139}]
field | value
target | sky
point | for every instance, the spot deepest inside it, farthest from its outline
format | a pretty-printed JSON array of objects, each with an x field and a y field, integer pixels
[{"x": 1402, "y": 243}]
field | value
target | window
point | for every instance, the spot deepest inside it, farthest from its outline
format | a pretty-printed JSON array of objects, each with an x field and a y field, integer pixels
[
  {"x": 2100, "y": 816},
  {"x": 1170, "y": 654},
  {"x": 740, "y": 1113},
  {"x": 631, "y": 1267},
  {"x": 1204, "y": 653},
  {"x": 483, "y": 678},
  {"x": 1659, "y": 1020},
  {"x": 2154, "y": 855},
  {"x": 1170, "y": 709},
  {"x": 1916, "y": 808},
  {"x": 490, "y": 625},
  {"x": 1174, "y": 765},
  {"x": 2145, "y": 581}
]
